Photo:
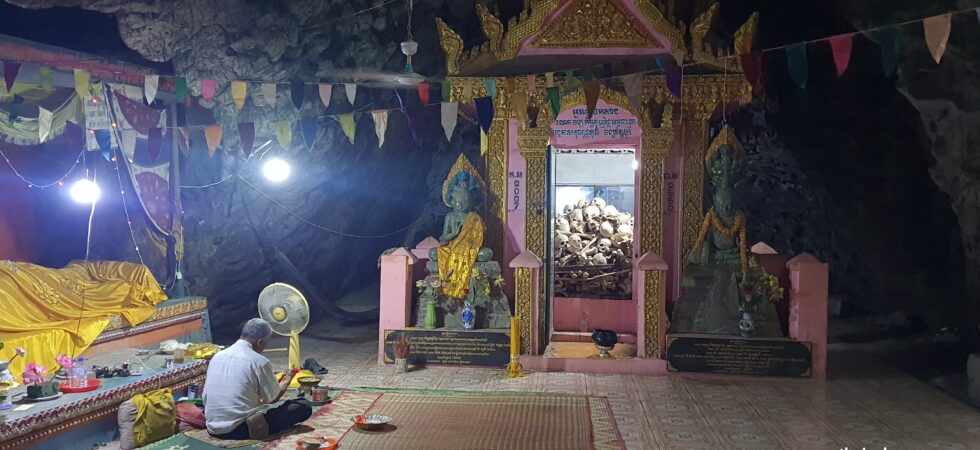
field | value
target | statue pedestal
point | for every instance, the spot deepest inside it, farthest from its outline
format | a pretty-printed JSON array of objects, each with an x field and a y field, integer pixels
[
  {"x": 491, "y": 308},
  {"x": 709, "y": 304}
]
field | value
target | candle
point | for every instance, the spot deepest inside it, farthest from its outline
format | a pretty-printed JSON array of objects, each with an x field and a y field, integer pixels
[{"x": 515, "y": 336}]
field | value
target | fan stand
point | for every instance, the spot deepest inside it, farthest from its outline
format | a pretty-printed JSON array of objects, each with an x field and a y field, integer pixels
[{"x": 294, "y": 362}]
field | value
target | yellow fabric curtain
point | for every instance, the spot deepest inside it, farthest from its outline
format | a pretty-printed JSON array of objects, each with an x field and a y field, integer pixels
[
  {"x": 54, "y": 311},
  {"x": 456, "y": 258}
]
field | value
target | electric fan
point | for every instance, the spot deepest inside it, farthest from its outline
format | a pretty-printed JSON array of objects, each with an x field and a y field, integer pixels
[{"x": 286, "y": 310}]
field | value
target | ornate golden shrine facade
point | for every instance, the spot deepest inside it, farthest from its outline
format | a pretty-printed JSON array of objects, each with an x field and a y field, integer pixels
[{"x": 549, "y": 36}]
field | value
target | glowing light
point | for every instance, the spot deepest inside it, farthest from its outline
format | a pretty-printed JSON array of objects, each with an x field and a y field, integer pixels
[
  {"x": 85, "y": 191},
  {"x": 276, "y": 170},
  {"x": 636, "y": 164}
]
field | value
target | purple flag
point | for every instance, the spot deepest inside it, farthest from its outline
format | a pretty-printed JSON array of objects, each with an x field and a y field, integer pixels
[
  {"x": 153, "y": 138},
  {"x": 674, "y": 76},
  {"x": 10, "y": 70},
  {"x": 484, "y": 110},
  {"x": 246, "y": 134}
]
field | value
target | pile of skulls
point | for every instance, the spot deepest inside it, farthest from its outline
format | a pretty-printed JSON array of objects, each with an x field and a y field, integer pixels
[{"x": 593, "y": 234}]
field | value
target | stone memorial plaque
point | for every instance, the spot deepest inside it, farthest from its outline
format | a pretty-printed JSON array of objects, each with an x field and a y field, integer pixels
[
  {"x": 738, "y": 356},
  {"x": 452, "y": 347}
]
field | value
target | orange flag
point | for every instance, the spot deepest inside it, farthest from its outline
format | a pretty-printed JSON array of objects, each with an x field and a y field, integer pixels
[
  {"x": 937, "y": 34},
  {"x": 238, "y": 91},
  {"x": 213, "y": 135}
]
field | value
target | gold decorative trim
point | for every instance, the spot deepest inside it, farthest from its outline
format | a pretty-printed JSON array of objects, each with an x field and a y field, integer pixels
[
  {"x": 652, "y": 305},
  {"x": 162, "y": 313},
  {"x": 522, "y": 301},
  {"x": 651, "y": 193},
  {"x": 536, "y": 214},
  {"x": 725, "y": 137},
  {"x": 745, "y": 35},
  {"x": 452, "y": 45},
  {"x": 528, "y": 24},
  {"x": 599, "y": 23},
  {"x": 695, "y": 135},
  {"x": 462, "y": 165},
  {"x": 608, "y": 95},
  {"x": 702, "y": 25},
  {"x": 492, "y": 28},
  {"x": 495, "y": 162},
  {"x": 663, "y": 27}
]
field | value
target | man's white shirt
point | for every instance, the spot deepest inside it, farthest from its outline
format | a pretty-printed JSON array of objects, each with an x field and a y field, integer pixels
[{"x": 239, "y": 382}]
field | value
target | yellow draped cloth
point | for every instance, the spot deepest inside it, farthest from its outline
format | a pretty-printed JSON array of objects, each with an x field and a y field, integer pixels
[
  {"x": 54, "y": 311},
  {"x": 457, "y": 257}
]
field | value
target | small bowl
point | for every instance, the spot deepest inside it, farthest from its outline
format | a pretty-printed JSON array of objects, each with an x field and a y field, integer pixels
[
  {"x": 309, "y": 382},
  {"x": 372, "y": 422}
]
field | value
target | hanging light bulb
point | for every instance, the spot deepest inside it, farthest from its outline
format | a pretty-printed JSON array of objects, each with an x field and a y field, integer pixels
[
  {"x": 276, "y": 170},
  {"x": 85, "y": 191}
]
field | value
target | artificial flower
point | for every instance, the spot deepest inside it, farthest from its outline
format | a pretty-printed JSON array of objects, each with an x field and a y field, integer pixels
[{"x": 64, "y": 361}]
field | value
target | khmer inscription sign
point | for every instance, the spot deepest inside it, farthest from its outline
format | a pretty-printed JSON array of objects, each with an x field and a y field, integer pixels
[
  {"x": 737, "y": 356},
  {"x": 452, "y": 347}
]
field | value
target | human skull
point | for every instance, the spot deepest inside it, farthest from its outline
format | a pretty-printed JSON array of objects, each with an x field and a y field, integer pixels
[
  {"x": 610, "y": 210},
  {"x": 592, "y": 226},
  {"x": 577, "y": 226},
  {"x": 576, "y": 214},
  {"x": 581, "y": 204},
  {"x": 599, "y": 259},
  {"x": 591, "y": 211},
  {"x": 568, "y": 208},
  {"x": 604, "y": 245},
  {"x": 575, "y": 242},
  {"x": 598, "y": 201},
  {"x": 625, "y": 229},
  {"x": 606, "y": 229},
  {"x": 561, "y": 224},
  {"x": 625, "y": 218},
  {"x": 561, "y": 241},
  {"x": 619, "y": 238}
]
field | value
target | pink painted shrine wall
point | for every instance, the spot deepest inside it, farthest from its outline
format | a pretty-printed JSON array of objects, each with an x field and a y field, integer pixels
[{"x": 516, "y": 209}]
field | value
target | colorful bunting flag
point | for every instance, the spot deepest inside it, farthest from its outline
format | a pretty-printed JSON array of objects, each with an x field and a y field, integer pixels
[
  {"x": 180, "y": 89},
  {"x": 449, "y": 112},
  {"x": 246, "y": 136},
  {"x": 212, "y": 134},
  {"x": 591, "y": 91},
  {"x": 150, "y": 85},
  {"x": 796, "y": 59},
  {"x": 351, "y": 90},
  {"x": 555, "y": 100},
  {"x": 752, "y": 68},
  {"x": 571, "y": 83},
  {"x": 208, "y": 88},
  {"x": 284, "y": 134},
  {"x": 47, "y": 78},
  {"x": 128, "y": 142},
  {"x": 484, "y": 111},
  {"x": 309, "y": 127},
  {"x": 424, "y": 92},
  {"x": 549, "y": 79},
  {"x": 297, "y": 90},
  {"x": 490, "y": 85},
  {"x": 348, "y": 124},
  {"x": 154, "y": 136},
  {"x": 14, "y": 109},
  {"x": 44, "y": 118},
  {"x": 484, "y": 143},
  {"x": 937, "y": 30},
  {"x": 104, "y": 140},
  {"x": 889, "y": 44},
  {"x": 446, "y": 91},
  {"x": 633, "y": 84},
  {"x": 381, "y": 124},
  {"x": 10, "y": 70},
  {"x": 532, "y": 84},
  {"x": 238, "y": 91},
  {"x": 841, "y": 46},
  {"x": 82, "y": 83},
  {"x": 675, "y": 77},
  {"x": 326, "y": 91},
  {"x": 269, "y": 94}
]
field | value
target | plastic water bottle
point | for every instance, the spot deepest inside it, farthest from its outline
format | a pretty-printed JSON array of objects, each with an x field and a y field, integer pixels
[{"x": 78, "y": 375}]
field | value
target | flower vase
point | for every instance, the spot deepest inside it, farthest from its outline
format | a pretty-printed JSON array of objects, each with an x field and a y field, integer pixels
[
  {"x": 468, "y": 316},
  {"x": 430, "y": 315},
  {"x": 400, "y": 364},
  {"x": 746, "y": 325}
]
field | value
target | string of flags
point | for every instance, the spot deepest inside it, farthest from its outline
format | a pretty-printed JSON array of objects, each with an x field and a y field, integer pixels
[{"x": 936, "y": 31}]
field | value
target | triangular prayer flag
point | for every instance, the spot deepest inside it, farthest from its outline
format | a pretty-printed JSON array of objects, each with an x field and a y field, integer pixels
[
  {"x": 246, "y": 135},
  {"x": 348, "y": 125},
  {"x": 269, "y": 93},
  {"x": 47, "y": 78},
  {"x": 150, "y": 85},
  {"x": 449, "y": 112},
  {"x": 675, "y": 77},
  {"x": 104, "y": 140},
  {"x": 14, "y": 110},
  {"x": 591, "y": 91},
  {"x": 326, "y": 91},
  {"x": 284, "y": 134},
  {"x": 888, "y": 41},
  {"x": 841, "y": 46},
  {"x": 424, "y": 92},
  {"x": 351, "y": 90},
  {"x": 76, "y": 135},
  {"x": 491, "y": 86},
  {"x": 466, "y": 85},
  {"x": 208, "y": 88},
  {"x": 212, "y": 134},
  {"x": 381, "y": 124},
  {"x": 128, "y": 142},
  {"x": 549, "y": 79},
  {"x": 446, "y": 91},
  {"x": 796, "y": 59},
  {"x": 484, "y": 111},
  {"x": 238, "y": 91},
  {"x": 484, "y": 143},
  {"x": 555, "y": 100},
  {"x": 180, "y": 89},
  {"x": 154, "y": 136},
  {"x": 10, "y": 70},
  {"x": 297, "y": 90},
  {"x": 532, "y": 84},
  {"x": 309, "y": 127},
  {"x": 44, "y": 118},
  {"x": 937, "y": 30},
  {"x": 633, "y": 84},
  {"x": 82, "y": 83},
  {"x": 752, "y": 68},
  {"x": 571, "y": 83}
]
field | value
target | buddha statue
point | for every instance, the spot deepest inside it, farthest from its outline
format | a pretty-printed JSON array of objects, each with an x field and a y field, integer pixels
[{"x": 462, "y": 231}]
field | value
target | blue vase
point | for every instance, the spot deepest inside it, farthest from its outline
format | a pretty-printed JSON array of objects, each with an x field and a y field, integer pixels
[{"x": 468, "y": 316}]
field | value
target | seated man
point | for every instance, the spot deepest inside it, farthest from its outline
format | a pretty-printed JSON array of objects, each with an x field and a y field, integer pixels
[{"x": 240, "y": 383}]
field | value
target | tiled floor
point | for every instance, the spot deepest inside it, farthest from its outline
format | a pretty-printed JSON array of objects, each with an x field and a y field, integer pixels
[{"x": 863, "y": 405}]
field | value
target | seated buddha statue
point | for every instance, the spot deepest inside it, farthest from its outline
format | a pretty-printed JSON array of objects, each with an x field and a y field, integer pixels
[{"x": 462, "y": 232}]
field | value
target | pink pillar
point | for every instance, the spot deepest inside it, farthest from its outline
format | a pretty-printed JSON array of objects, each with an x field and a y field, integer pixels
[
  {"x": 808, "y": 307},
  {"x": 396, "y": 294},
  {"x": 651, "y": 338}
]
